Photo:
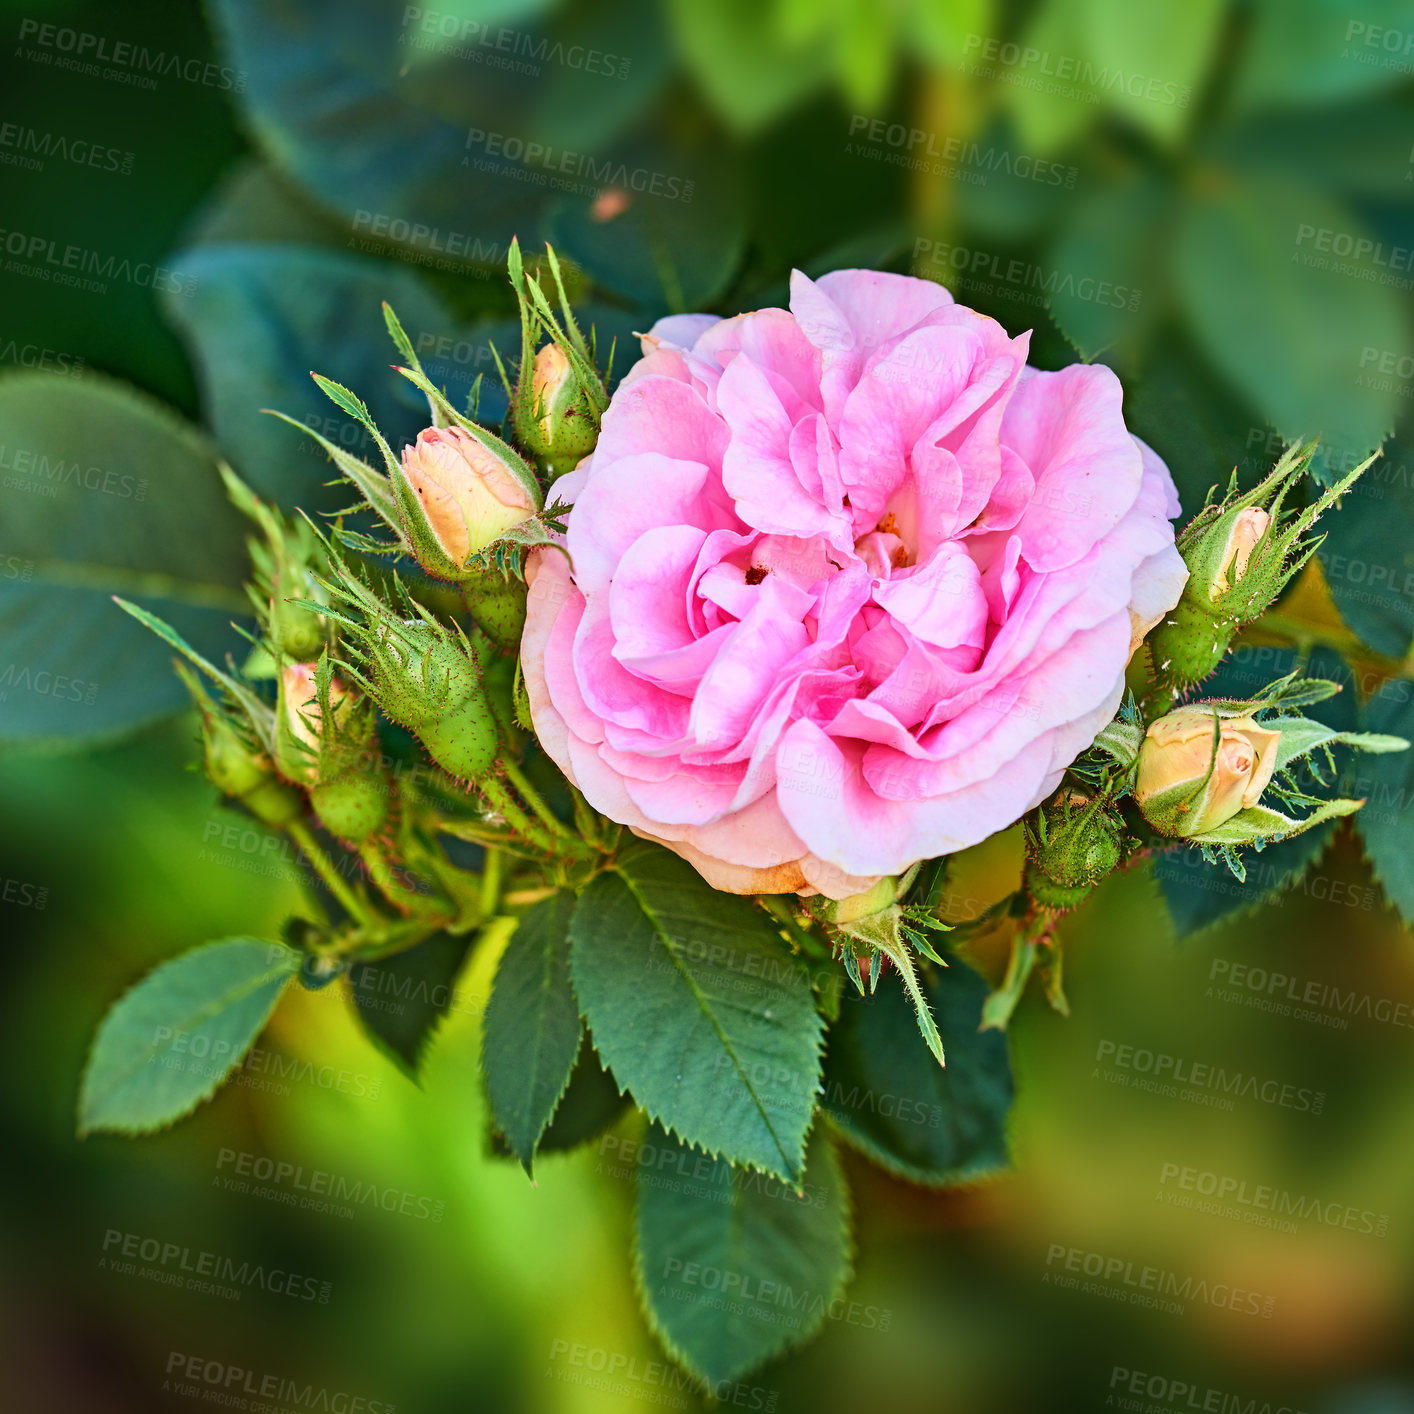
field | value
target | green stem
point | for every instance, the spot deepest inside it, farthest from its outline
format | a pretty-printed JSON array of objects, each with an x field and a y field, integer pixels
[
  {"x": 335, "y": 882},
  {"x": 491, "y": 882},
  {"x": 533, "y": 798},
  {"x": 777, "y": 907},
  {"x": 381, "y": 872},
  {"x": 501, "y": 800}
]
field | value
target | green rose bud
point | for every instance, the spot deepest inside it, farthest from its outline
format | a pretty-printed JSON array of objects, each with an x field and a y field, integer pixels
[
  {"x": 1071, "y": 845},
  {"x": 552, "y": 415},
  {"x": 1198, "y": 769}
]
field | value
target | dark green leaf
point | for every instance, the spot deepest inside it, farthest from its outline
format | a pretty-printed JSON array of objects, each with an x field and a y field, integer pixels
[
  {"x": 931, "y": 1124},
  {"x": 698, "y": 1008},
  {"x": 168, "y": 1043},
  {"x": 105, "y": 492},
  {"x": 1286, "y": 320},
  {"x": 734, "y": 1267},
  {"x": 532, "y": 1026},
  {"x": 1387, "y": 785},
  {"x": 401, "y": 1000}
]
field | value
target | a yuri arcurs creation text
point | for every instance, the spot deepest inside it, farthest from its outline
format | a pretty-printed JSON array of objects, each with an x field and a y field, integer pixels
[{"x": 681, "y": 696}]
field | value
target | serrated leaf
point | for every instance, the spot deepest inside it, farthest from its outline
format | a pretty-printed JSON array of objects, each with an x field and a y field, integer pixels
[
  {"x": 402, "y": 999},
  {"x": 734, "y": 1268},
  {"x": 166, "y": 1044},
  {"x": 1259, "y": 823},
  {"x": 699, "y": 1010},
  {"x": 533, "y": 1029},
  {"x": 1387, "y": 783},
  {"x": 884, "y": 1092}
]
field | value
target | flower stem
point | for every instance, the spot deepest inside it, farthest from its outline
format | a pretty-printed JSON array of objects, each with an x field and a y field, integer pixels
[
  {"x": 501, "y": 800},
  {"x": 356, "y": 907},
  {"x": 491, "y": 882},
  {"x": 533, "y": 798}
]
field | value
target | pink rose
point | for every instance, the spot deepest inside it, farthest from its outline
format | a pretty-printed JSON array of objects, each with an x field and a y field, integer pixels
[{"x": 851, "y": 585}]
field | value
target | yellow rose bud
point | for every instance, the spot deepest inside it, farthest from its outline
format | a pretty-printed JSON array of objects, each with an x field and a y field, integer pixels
[
  {"x": 468, "y": 494},
  {"x": 301, "y": 725},
  {"x": 1176, "y": 790},
  {"x": 1247, "y": 529},
  {"x": 552, "y": 388}
]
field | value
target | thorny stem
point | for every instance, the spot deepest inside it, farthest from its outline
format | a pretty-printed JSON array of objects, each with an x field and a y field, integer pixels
[
  {"x": 533, "y": 798},
  {"x": 356, "y": 907},
  {"x": 505, "y": 804}
]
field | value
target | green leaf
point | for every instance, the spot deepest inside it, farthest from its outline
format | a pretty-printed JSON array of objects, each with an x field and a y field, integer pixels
[
  {"x": 591, "y": 1103},
  {"x": 1284, "y": 321},
  {"x": 402, "y": 1000},
  {"x": 1387, "y": 784},
  {"x": 166, "y": 1044},
  {"x": 732, "y": 1267},
  {"x": 750, "y": 75},
  {"x": 532, "y": 1026},
  {"x": 888, "y": 1097},
  {"x": 698, "y": 1008},
  {"x": 264, "y": 314},
  {"x": 106, "y": 492},
  {"x": 1259, "y": 823},
  {"x": 1300, "y": 736},
  {"x": 1108, "y": 263}
]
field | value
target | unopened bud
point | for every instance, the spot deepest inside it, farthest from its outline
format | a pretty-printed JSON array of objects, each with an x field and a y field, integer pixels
[
  {"x": 1197, "y": 770},
  {"x": 1248, "y": 527},
  {"x": 470, "y": 494}
]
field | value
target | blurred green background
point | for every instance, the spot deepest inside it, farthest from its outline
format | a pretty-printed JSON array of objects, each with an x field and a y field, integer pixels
[{"x": 1215, "y": 198}]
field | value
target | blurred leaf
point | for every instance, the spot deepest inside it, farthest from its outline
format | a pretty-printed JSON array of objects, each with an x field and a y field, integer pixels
[
  {"x": 325, "y": 103},
  {"x": 931, "y": 1124},
  {"x": 1357, "y": 150},
  {"x": 1386, "y": 783},
  {"x": 698, "y": 1009},
  {"x": 1368, "y": 554},
  {"x": 1301, "y": 52},
  {"x": 1194, "y": 422},
  {"x": 1049, "y": 113},
  {"x": 1200, "y": 894},
  {"x": 1152, "y": 58},
  {"x": 265, "y": 314},
  {"x": 1287, "y": 332},
  {"x": 168, "y": 1043},
  {"x": 671, "y": 239},
  {"x": 734, "y": 1268},
  {"x": 735, "y": 51},
  {"x": 1108, "y": 262},
  {"x": 105, "y": 492},
  {"x": 532, "y": 1026},
  {"x": 402, "y": 1000}
]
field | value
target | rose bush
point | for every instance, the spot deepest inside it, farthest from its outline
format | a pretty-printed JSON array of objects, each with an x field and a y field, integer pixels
[{"x": 848, "y": 586}]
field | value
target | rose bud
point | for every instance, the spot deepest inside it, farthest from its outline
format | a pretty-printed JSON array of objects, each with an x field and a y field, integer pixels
[
  {"x": 552, "y": 415},
  {"x": 469, "y": 491},
  {"x": 325, "y": 741},
  {"x": 1072, "y": 843},
  {"x": 1197, "y": 770},
  {"x": 1241, "y": 551},
  {"x": 235, "y": 765},
  {"x": 1247, "y": 528}
]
